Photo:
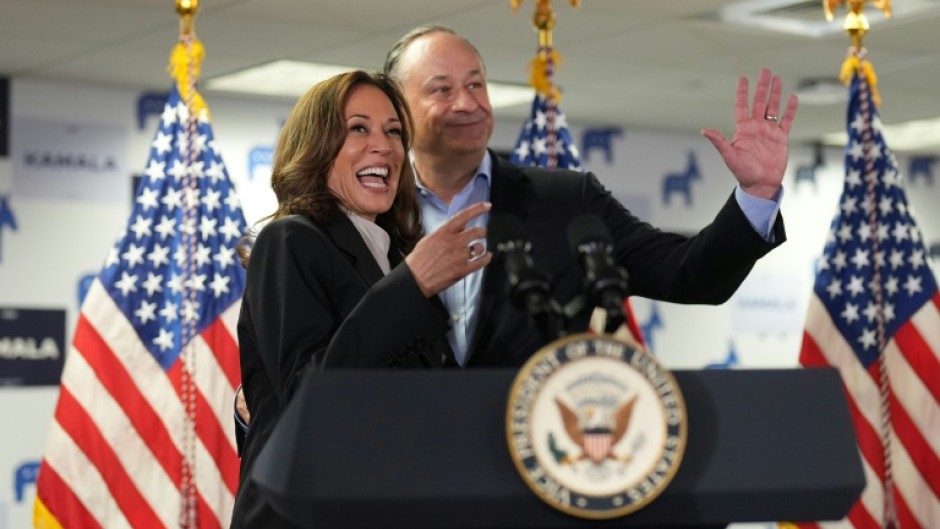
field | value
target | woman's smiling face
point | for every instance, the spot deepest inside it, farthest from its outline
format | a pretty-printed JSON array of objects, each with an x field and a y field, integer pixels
[{"x": 367, "y": 169}]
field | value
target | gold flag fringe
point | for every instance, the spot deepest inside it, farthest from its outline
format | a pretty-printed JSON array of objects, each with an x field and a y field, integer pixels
[
  {"x": 539, "y": 75},
  {"x": 853, "y": 64},
  {"x": 182, "y": 64}
]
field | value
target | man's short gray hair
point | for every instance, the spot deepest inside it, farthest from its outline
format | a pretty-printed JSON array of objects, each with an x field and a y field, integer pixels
[{"x": 393, "y": 58}]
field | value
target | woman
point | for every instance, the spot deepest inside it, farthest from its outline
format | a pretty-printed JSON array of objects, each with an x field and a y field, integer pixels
[{"x": 327, "y": 282}]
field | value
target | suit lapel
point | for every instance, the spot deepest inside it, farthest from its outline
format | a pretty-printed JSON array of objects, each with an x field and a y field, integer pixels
[
  {"x": 347, "y": 239},
  {"x": 508, "y": 185}
]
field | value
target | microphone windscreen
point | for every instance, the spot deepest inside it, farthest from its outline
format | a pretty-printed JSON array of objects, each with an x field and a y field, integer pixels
[
  {"x": 505, "y": 227},
  {"x": 586, "y": 228}
]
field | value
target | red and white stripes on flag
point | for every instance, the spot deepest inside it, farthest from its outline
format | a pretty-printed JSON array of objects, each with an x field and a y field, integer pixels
[
  {"x": 114, "y": 453},
  {"x": 142, "y": 433},
  {"x": 875, "y": 315}
]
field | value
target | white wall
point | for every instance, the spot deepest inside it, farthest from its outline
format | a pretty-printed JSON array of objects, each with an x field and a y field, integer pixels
[{"x": 59, "y": 240}]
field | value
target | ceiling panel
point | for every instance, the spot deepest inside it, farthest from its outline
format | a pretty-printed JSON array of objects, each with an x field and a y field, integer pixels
[{"x": 658, "y": 64}]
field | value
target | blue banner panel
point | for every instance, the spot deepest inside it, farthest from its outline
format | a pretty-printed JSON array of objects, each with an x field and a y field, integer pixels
[{"x": 32, "y": 346}]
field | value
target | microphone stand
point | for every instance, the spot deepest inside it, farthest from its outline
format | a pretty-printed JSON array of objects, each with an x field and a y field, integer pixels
[
  {"x": 605, "y": 282},
  {"x": 530, "y": 289}
]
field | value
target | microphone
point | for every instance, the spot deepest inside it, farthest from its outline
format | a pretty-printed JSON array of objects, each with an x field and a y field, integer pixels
[
  {"x": 529, "y": 287},
  {"x": 605, "y": 282}
]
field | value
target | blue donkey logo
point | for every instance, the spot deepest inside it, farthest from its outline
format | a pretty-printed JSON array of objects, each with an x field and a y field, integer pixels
[{"x": 681, "y": 182}]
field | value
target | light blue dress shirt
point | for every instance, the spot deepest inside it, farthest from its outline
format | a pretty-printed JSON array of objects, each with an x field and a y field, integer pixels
[
  {"x": 760, "y": 212},
  {"x": 462, "y": 300}
]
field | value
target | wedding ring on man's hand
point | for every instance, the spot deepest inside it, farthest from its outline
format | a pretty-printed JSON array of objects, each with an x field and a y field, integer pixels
[
  {"x": 770, "y": 118},
  {"x": 476, "y": 250}
]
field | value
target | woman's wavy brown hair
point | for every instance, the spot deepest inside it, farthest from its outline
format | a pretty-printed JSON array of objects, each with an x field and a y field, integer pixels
[{"x": 308, "y": 146}]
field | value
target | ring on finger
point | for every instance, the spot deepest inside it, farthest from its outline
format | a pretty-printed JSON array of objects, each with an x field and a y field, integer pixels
[
  {"x": 768, "y": 117},
  {"x": 472, "y": 249},
  {"x": 476, "y": 250}
]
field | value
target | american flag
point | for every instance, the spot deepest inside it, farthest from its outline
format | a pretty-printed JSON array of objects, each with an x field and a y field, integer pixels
[
  {"x": 545, "y": 141},
  {"x": 141, "y": 433},
  {"x": 875, "y": 315}
]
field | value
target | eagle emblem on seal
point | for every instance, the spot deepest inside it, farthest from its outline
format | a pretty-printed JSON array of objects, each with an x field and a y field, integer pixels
[{"x": 596, "y": 430}]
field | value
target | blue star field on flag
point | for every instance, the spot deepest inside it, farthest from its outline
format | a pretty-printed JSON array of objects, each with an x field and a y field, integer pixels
[
  {"x": 533, "y": 148},
  {"x": 873, "y": 228},
  {"x": 151, "y": 268}
]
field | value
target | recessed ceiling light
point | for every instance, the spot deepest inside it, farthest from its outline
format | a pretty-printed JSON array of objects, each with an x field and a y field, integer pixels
[
  {"x": 278, "y": 78},
  {"x": 806, "y": 17},
  {"x": 291, "y": 79}
]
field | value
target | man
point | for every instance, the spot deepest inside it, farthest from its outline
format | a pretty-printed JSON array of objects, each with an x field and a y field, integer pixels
[{"x": 444, "y": 81}]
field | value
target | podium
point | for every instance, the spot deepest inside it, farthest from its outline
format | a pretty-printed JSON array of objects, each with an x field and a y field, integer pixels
[{"x": 427, "y": 449}]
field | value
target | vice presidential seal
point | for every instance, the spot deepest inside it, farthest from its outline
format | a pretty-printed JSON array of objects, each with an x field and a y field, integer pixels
[{"x": 596, "y": 427}]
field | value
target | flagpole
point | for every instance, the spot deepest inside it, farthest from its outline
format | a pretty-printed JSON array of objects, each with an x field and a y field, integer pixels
[
  {"x": 543, "y": 70},
  {"x": 545, "y": 141},
  {"x": 856, "y": 25},
  {"x": 184, "y": 66}
]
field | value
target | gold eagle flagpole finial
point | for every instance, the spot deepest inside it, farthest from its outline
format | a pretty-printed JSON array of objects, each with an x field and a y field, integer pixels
[
  {"x": 856, "y": 25},
  {"x": 544, "y": 18}
]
